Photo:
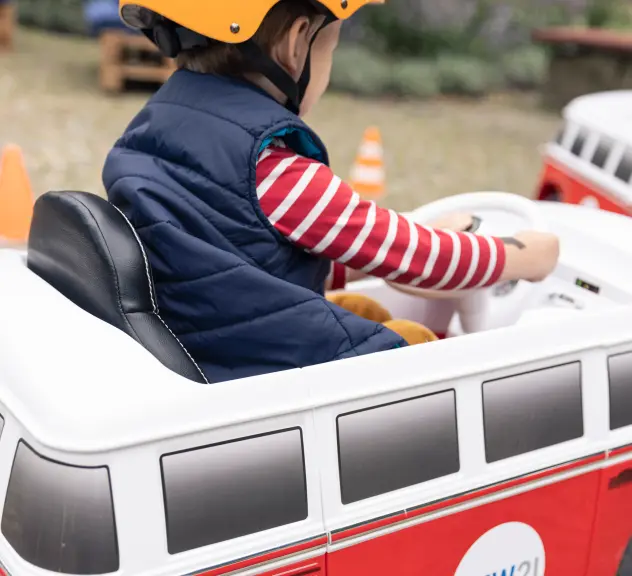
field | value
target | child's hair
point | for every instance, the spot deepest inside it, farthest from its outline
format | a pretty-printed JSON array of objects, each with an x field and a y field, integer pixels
[{"x": 226, "y": 60}]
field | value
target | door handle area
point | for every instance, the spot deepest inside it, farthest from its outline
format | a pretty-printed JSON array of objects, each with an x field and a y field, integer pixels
[{"x": 622, "y": 478}]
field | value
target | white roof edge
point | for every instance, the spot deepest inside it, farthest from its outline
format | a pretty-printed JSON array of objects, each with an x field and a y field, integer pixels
[
  {"x": 609, "y": 113},
  {"x": 93, "y": 430}
]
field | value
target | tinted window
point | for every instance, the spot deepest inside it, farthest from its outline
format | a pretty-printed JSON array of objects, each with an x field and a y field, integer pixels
[
  {"x": 220, "y": 492},
  {"x": 602, "y": 152},
  {"x": 59, "y": 517},
  {"x": 560, "y": 135},
  {"x": 532, "y": 410},
  {"x": 580, "y": 140},
  {"x": 620, "y": 373},
  {"x": 397, "y": 445},
  {"x": 624, "y": 171}
]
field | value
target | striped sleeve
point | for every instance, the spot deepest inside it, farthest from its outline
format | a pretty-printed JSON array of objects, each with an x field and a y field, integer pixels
[{"x": 313, "y": 208}]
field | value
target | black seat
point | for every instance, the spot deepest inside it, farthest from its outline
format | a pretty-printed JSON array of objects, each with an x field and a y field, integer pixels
[{"x": 87, "y": 249}]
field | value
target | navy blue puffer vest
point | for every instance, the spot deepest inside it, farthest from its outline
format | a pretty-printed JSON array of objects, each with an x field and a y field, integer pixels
[{"x": 241, "y": 298}]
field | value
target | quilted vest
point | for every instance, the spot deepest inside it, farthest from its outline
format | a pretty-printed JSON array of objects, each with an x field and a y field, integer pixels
[{"x": 241, "y": 298}]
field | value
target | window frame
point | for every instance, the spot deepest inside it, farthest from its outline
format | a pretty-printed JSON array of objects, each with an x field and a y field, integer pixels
[
  {"x": 23, "y": 442},
  {"x": 232, "y": 440},
  {"x": 451, "y": 390},
  {"x": 490, "y": 462}
]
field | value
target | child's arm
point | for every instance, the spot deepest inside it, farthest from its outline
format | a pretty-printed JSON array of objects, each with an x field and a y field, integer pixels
[
  {"x": 340, "y": 274},
  {"x": 313, "y": 208}
]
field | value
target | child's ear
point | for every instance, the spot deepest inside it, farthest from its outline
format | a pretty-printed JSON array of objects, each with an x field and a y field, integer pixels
[{"x": 291, "y": 52}]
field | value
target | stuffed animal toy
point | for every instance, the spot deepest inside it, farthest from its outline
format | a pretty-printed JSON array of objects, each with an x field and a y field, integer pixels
[{"x": 370, "y": 309}]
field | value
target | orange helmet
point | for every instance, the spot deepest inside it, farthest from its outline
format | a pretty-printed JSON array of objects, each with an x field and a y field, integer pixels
[
  {"x": 177, "y": 25},
  {"x": 230, "y": 21}
]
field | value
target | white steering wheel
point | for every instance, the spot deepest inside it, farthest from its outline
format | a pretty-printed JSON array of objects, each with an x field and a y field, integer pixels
[{"x": 499, "y": 214}]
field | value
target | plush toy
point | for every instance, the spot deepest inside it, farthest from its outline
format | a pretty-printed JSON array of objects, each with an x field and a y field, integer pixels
[
  {"x": 370, "y": 309},
  {"x": 412, "y": 332}
]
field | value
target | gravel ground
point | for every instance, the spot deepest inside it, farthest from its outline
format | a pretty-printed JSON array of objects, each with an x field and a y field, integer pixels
[{"x": 50, "y": 104}]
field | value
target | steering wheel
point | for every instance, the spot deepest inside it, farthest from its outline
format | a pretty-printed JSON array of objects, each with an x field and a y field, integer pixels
[{"x": 497, "y": 214}]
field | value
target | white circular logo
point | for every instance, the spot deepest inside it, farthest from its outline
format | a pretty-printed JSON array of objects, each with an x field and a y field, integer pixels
[
  {"x": 589, "y": 202},
  {"x": 511, "y": 549}
]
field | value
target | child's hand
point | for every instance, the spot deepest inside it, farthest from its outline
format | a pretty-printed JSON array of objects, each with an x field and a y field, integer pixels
[
  {"x": 457, "y": 222},
  {"x": 530, "y": 256}
]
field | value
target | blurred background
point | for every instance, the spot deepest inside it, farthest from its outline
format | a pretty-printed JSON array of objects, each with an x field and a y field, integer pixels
[{"x": 461, "y": 92}]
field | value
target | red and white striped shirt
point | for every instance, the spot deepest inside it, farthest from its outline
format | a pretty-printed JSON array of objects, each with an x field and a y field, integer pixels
[{"x": 317, "y": 211}]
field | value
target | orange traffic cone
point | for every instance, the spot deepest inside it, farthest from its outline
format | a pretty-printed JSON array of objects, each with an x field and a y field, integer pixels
[
  {"x": 7, "y": 25},
  {"x": 368, "y": 176},
  {"x": 16, "y": 196}
]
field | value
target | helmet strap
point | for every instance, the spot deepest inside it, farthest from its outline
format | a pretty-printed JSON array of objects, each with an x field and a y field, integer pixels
[
  {"x": 262, "y": 63},
  {"x": 172, "y": 39}
]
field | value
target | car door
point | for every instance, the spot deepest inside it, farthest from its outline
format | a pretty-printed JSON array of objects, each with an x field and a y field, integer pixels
[
  {"x": 531, "y": 521},
  {"x": 611, "y": 551}
]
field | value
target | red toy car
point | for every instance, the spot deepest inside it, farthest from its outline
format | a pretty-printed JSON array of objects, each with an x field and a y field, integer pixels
[{"x": 590, "y": 161}]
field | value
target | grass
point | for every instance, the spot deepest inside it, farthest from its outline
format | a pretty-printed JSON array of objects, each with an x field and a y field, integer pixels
[{"x": 51, "y": 106}]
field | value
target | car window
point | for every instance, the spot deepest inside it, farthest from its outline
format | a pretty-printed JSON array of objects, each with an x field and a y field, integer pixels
[
  {"x": 624, "y": 170},
  {"x": 59, "y": 517},
  {"x": 392, "y": 446},
  {"x": 620, "y": 383},
  {"x": 228, "y": 490},
  {"x": 532, "y": 410},
  {"x": 580, "y": 141},
  {"x": 602, "y": 152}
]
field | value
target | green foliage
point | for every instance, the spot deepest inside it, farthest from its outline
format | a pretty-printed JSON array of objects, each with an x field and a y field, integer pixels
[
  {"x": 597, "y": 14},
  {"x": 466, "y": 76},
  {"x": 415, "y": 78},
  {"x": 525, "y": 68},
  {"x": 358, "y": 71},
  {"x": 602, "y": 13},
  {"x": 54, "y": 15},
  {"x": 421, "y": 60},
  {"x": 394, "y": 35}
]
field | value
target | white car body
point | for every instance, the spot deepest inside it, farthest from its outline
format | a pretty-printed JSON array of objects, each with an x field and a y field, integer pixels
[{"x": 79, "y": 392}]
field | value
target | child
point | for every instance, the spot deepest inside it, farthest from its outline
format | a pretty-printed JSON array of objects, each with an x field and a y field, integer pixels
[{"x": 241, "y": 217}]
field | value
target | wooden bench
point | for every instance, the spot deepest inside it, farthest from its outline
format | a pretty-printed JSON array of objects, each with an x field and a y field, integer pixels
[
  {"x": 7, "y": 25},
  {"x": 131, "y": 57},
  {"x": 584, "y": 61}
]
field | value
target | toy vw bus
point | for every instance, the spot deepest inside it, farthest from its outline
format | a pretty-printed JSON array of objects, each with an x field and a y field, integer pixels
[
  {"x": 504, "y": 449},
  {"x": 590, "y": 161}
]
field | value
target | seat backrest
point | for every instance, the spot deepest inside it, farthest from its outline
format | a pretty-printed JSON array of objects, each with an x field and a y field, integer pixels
[{"x": 87, "y": 249}]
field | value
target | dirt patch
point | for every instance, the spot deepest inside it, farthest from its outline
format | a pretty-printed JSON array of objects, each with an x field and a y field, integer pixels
[{"x": 51, "y": 106}]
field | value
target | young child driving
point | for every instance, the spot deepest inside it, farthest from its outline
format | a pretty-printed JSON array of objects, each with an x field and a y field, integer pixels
[{"x": 232, "y": 197}]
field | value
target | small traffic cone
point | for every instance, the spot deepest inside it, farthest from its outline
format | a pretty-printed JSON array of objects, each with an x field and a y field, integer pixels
[
  {"x": 368, "y": 177},
  {"x": 16, "y": 196},
  {"x": 7, "y": 25}
]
